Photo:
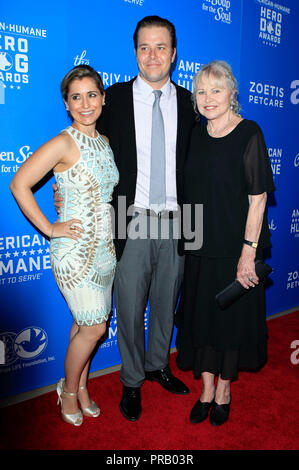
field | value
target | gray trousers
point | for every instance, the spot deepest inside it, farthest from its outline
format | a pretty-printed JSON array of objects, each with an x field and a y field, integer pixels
[{"x": 149, "y": 269}]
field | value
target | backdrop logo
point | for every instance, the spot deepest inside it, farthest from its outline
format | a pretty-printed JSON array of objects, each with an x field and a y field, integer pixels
[
  {"x": 275, "y": 155},
  {"x": 139, "y": 3},
  {"x": 296, "y": 161},
  {"x": 220, "y": 9},
  {"x": 5, "y": 61},
  {"x": 271, "y": 18},
  {"x": 21, "y": 350},
  {"x": 13, "y": 60},
  {"x": 10, "y": 161},
  {"x": 270, "y": 26},
  {"x": 185, "y": 73},
  {"x": 272, "y": 225},
  {"x": 294, "y": 228},
  {"x": 14, "y": 50},
  {"x": 295, "y": 355},
  {"x": 30, "y": 343},
  {"x": 266, "y": 94},
  {"x": 293, "y": 280},
  {"x": 80, "y": 59},
  {"x": 109, "y": 78},
  {"x": 23, "y": 258},
  {"x": 295, "y": 93}
]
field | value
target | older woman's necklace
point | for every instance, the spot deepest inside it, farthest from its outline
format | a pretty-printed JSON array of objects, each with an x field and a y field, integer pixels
[{"x": 219, "y": 131}]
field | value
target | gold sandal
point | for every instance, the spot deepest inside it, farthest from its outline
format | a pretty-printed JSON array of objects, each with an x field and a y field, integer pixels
[
  {"x": 76, "y": 419},
  {"x": 92, "y": 411}
]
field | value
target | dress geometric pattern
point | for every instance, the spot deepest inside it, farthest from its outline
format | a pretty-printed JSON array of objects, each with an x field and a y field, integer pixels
[{"x": 84, "y": 268}]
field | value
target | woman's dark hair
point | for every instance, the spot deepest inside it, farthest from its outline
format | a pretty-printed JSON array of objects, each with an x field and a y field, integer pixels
[
  {"x": 155, "y": 21},
  {"x": 77, "y": 73}
]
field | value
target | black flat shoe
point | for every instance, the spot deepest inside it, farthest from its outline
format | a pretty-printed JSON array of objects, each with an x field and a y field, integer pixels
[
  {"x": 200, "y": 411},
  {"x": 168, "y": 381},
  {"x": 130, "y": 405},
  {"x": 219, "y": 413}
]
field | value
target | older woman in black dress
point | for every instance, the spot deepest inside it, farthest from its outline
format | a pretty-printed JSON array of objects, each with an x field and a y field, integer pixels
[{"x": 228, "y": 171}]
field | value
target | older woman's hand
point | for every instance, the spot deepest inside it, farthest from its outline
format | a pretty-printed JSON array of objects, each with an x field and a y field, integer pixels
[{"x": 246, "y": 274}]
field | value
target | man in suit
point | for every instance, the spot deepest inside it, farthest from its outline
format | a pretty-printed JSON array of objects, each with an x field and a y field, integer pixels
[{"x": 148, "y": 122}]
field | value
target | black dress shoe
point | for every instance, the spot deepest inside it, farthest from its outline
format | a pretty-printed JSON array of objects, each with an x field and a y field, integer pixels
[
  {"x": 219, "y": 413},
  {"x": 130, "y": 405},
  {"x": 200, "y": 411},
  {"x": 168, "y": 381}
]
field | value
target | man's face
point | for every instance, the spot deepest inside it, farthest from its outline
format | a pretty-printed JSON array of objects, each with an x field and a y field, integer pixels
[{"x": 154, "y": 55}]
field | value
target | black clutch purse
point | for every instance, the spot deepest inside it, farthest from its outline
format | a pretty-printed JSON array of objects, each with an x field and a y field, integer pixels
[{"x": 235, "y": 290}]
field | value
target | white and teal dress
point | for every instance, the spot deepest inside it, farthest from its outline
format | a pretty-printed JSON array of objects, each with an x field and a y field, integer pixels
[{"x": 84, "y": 268}]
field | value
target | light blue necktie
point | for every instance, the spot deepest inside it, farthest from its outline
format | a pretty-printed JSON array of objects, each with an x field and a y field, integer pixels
[{"x": 157, "y": 193}]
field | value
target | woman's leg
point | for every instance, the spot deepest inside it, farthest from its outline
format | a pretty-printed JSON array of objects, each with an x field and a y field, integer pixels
[
  {"x": 200, "y": 410},
  {"x": 223, "y": 392},
  {"x": 221, "y": 407},
  {"x": 83, "y": 340},
  {"x": 208, "y": 391},
  {"x": 83, "y": 394}
]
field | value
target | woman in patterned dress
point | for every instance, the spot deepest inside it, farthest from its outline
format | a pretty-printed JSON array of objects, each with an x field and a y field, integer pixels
[{"x": 82, "y": 251}]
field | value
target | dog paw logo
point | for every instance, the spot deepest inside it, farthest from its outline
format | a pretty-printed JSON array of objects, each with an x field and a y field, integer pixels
[{"x": 30, "y": 342}]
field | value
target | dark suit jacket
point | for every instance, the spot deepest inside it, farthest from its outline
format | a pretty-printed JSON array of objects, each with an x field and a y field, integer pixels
[{"x": 117, "y": 123}]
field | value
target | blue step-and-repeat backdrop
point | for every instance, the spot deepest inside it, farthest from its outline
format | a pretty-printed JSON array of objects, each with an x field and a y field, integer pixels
[{"x": 39, "y": 43}]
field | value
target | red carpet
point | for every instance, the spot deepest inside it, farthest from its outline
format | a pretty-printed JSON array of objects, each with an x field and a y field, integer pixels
[{"x": 264, "y": 412}]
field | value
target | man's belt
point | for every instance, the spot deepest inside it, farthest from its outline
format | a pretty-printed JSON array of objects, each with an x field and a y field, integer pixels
[{"x": 161, "y": 215}]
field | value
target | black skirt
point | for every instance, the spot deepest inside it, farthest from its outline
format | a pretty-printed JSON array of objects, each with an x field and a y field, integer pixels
[{"x": 213, "y": 340}]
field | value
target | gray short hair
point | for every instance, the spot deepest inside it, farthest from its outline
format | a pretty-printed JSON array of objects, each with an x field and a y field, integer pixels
[{"x": 220, "y": 70}]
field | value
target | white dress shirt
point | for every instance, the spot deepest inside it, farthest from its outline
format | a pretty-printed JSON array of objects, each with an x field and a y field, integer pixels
[{"x": 143, "y": 97}]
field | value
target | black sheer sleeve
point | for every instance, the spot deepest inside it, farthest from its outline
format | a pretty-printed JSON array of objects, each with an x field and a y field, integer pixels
[{"x": 257, "y": 167}]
